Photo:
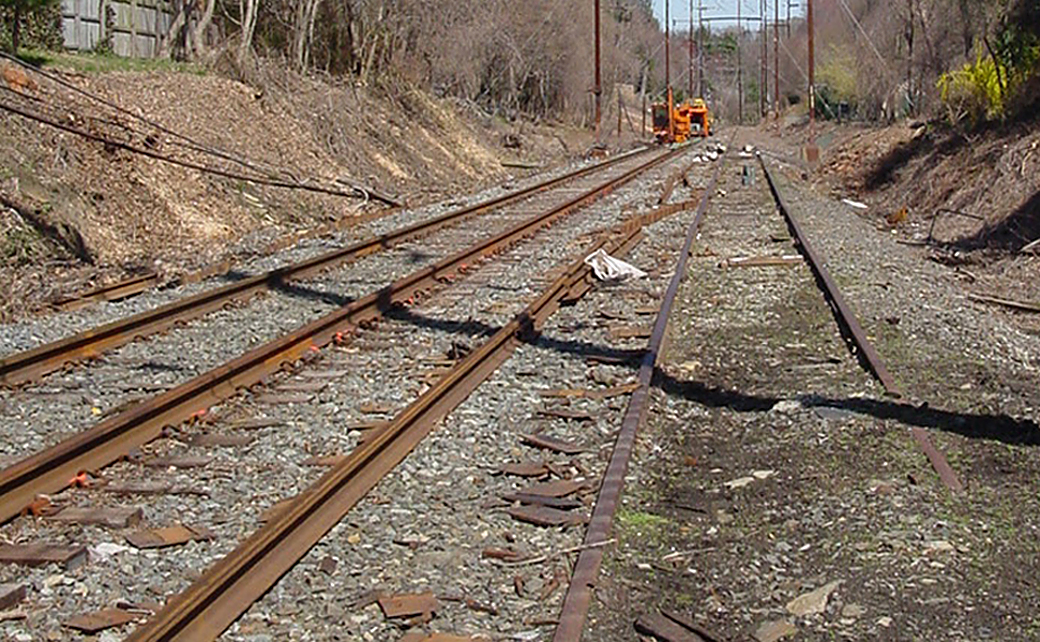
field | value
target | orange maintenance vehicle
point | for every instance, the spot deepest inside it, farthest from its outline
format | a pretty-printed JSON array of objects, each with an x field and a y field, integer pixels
[{"x": 677, "y": 124}]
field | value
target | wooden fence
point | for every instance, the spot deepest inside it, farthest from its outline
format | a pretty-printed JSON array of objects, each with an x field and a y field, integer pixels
[{"x": 137, "y": 27}]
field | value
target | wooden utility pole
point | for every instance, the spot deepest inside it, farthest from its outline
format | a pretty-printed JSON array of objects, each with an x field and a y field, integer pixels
[
  {"x": 667, "y": 48},
  {"x": 740, "y": 67},
  {"x": 700, "y": 48},
  {"x": 812, "y": 65},
  {"x": 619, "y": 111},
  {"x": 668, "y": 70},
  {"x": 763, "y": 92},
  {"x": 910, "y": 57},
  {"x": 597, "y": 90},
  {"x": 776, "y": 58},
  {"x": 689, "y": 36}
]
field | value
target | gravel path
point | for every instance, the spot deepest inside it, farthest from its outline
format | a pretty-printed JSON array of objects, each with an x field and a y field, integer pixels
[{"x": 383, "y": 367}]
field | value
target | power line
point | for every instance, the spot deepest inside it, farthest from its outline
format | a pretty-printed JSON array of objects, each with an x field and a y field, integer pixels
[
  {"x": 189, "y": 142},
  {"x": 356, "y": 192},
  {"x": 863, "y": 31}
]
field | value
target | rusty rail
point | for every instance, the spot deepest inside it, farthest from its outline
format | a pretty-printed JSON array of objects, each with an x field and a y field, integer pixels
[
  {"x": 846, "y": 316},
  {"x": 111, "y": 292},
  {"x": 852, "y": 328},
  {"x": 579, "y": 593},
  {"x": 52, "y": 469},
  {"x": 226, "y": 590},
  {"x": 33, "y": 364}
]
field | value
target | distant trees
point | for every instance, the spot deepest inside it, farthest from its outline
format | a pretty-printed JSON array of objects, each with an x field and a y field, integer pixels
[{"x": 532, "y": 57}]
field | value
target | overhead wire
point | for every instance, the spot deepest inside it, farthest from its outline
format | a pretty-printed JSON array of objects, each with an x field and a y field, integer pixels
[
  {"x": 188, "y": 141},
  {"x": 271, "y": 182},
  {"x": 863, "y": 31}
]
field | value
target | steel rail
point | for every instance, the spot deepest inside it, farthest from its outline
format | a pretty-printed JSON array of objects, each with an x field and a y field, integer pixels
[
  {"x": 31, "y": 365},
  {"x": 851, "y": 325},
  {"x": 846, "y": 316},
  {"x": 227, "y": 589},
  {"x": 52, "y": 469},
  {"x": 112, "y": 292},
  {"x": 579, "y": 592}
]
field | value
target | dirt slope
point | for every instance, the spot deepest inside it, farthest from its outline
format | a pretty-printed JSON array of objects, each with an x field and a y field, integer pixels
[
  {"x": 984, "y": 185},
  {"x": 121, "y": 212}
]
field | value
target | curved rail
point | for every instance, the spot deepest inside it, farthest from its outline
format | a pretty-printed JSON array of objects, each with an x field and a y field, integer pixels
[
  {"x": 33, "y": 364},
  {"x": 226, "y": 590},
  {"x": 579, "y": 593},
  {"x": 52, "y": 469}
]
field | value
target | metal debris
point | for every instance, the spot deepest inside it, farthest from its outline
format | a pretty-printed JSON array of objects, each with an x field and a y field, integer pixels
[{"x": 168, "y": 536}]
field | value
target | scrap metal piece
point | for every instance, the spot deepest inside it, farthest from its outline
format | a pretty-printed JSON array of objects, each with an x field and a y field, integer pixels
[
  {"x": 542, "y": 500},
  {"x": 526, "y": 469},
  {"x": 551, "y": 443},
  {"x": 180, "y": 461},
  {"x": 661, "y": 628},
  {"x": 407, "y": 605},
  {"x": 557, "y": 488},
  {"x": 11, "y": 594},
  {"x": 168, "y": 536},
  {"x": 211, "y": 439},
  {"x": 70, "y": 557},
  {"x": 92, "y": 623},
  {"x": 546, "y": 516},
  {"x": 111, "y": 517}
]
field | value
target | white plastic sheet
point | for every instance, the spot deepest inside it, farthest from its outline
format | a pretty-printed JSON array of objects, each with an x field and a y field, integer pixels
[{"x": 607, "y": 268}]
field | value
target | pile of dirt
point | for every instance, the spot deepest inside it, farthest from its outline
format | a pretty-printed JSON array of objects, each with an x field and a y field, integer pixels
[{"x": 78, "y": 212}]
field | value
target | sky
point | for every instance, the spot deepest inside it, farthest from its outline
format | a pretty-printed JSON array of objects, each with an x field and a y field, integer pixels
[{"x": 721, "y": 8}]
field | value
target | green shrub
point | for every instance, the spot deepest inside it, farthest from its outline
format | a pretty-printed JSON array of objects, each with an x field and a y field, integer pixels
[
  {"x": 973, "y": 92},
  {"x": 984, "y": 89}
]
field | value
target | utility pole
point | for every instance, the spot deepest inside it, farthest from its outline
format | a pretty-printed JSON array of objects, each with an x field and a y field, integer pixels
[
  {"x": 667, "y": 48},
  {"x": 700, "y": 48},
  {"x": 740, "y": 68},
  {"x": 597, "y": 90},
  {"x": 668, "y": 70},
  {"x": 812, "y": 66},
  {"x": 910, "y": 57},
  {"x": 689, "y": 36},
  {"x": 763, "y": 93},
  {"x": 776, "y": 58}
]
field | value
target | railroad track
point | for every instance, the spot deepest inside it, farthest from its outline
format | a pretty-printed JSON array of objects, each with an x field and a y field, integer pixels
[
  {"x": 121, "y": 379},
  {"x": 141, "y": 422},
  {"x": 119, "y": 436},
  {"x": 743, "y": 222},
  {"x": 31, "y": 365}
]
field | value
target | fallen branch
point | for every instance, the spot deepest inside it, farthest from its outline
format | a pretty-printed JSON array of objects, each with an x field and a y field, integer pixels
[
  {"x": 1027, "y": 306},
  {"x": 552, "y": 556}
]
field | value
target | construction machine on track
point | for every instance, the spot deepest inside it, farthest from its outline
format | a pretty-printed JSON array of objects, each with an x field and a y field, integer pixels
[{"x": 678, "y": 123}]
